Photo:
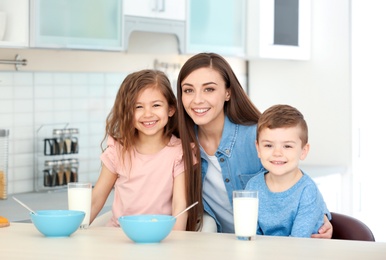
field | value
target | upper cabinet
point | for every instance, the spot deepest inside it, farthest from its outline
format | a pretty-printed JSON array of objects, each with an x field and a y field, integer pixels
[
  {"x": 163, "y": 9},
  {"x": 14, "y": 23},
  {"x": 216, "y": 26},
  {"x": 77, "y": 24},
  {"x": 279, "y": 29},
  {"x": 158, "y": 16}
]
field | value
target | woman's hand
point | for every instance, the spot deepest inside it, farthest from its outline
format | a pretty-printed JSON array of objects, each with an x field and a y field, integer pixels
[{"x": 325, "y": 231}]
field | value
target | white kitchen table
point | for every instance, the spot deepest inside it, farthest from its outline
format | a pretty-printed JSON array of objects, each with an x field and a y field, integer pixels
[{"x": 23, "y": 241}]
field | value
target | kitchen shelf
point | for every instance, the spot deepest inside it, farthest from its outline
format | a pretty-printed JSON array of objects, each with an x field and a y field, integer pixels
[{"x": 56, "y": 157}]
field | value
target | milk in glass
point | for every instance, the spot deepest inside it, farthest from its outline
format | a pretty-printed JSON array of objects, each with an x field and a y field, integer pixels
[
  {"x": 245, "y": 212},
  {"x": 79, "y": 198}
]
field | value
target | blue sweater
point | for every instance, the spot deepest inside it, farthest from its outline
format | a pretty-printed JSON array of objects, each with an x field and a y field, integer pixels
[{"x": 297, "y": 212}]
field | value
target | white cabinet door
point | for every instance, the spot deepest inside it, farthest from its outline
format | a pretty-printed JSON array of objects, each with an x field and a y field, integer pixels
[
  {"x": 163, "y": 9},
  {"x": 216, "y": 26},
  {"x": 279, "y": 29},
  {"x": 145, "y": 8},
  {"x": 14, "y": 23}
]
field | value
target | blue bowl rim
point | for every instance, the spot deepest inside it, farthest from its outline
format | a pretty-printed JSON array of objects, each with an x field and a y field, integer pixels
[
  {"x": 57, "y": 213},
  {"x": 134, "y": 218}
]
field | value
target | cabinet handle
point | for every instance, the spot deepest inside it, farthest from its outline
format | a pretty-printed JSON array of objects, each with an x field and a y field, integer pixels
[
  {"x": 155, "y": 6},
  {"x": 162, "y": 9}
]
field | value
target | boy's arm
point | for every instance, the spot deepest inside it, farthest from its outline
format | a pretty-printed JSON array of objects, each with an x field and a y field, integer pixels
[{"x": 325, "y": 231}]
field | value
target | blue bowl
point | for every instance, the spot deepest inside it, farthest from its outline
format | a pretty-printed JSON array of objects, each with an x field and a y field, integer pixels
[
  {"x": 57, "y": 223},
  {"x": 147, "y": 228}
]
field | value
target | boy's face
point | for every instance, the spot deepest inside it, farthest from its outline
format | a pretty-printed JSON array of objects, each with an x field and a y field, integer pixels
[{"x": 281, "y": 149}]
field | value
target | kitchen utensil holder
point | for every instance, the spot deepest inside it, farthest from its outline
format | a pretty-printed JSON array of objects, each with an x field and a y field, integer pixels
[
  {"x": 4, "y": 140},
  {"x": 56, "y": 162}
]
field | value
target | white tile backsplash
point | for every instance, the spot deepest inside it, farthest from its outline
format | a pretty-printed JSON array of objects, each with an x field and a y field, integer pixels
[
  {"x": 23, "y": 92},
  {"x": 6, "y": 106},
  {"x": 23, "y": 105},
  {"x": 30, "y": 100},
  {"x": 6, "y": 79},
  {"x": 23, "y": 79},
  {"x": 44, "y": 91},
  {"x": 43, "y": 78}
]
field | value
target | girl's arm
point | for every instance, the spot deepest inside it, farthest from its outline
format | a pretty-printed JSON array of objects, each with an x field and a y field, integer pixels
[
  {"x": 179, "y": 202},
  {"x": 101, "y": 191}
]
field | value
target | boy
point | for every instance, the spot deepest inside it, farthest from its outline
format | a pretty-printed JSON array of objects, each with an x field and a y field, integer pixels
[{"x": 290, "y": 203}]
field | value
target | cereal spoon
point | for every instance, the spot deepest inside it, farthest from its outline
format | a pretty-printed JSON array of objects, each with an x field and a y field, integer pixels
[
  {"x": 191, "y": 206},
  {"x": 25, "y": 206}
]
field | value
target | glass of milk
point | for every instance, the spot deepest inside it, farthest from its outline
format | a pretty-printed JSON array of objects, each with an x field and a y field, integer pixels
[
  {"x": 245, "y": 213},
  {"x": 79, "y": 198}
]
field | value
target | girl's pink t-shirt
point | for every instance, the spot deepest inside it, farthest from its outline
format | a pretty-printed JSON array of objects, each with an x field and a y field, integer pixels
[{"x": 146, "y": 185}]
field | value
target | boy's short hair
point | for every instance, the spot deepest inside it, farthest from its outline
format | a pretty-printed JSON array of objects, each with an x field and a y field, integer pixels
[{"x": 283, "y": 116}]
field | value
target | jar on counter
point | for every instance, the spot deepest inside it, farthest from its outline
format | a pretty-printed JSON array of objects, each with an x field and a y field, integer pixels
[
  {"x": 74, "y": 170},
  {"x": 4, "y": 140},
  {"x": 60, "y": 172},
  {"x": 74, "y": 140},
  {"x": 66, "y": 141},
  {"x": 50, "y": 175},
  {"x": 58, "y": 144},
  {"x": 67, "y": 170}
]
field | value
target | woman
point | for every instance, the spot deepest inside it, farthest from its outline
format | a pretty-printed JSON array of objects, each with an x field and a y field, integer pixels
[{"x": 220, "y": 120}]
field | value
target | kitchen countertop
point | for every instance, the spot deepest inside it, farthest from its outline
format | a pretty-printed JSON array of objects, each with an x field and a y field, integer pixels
[
  {"x": 23, "y": 241},
  {"x": 56, "y": 199}
]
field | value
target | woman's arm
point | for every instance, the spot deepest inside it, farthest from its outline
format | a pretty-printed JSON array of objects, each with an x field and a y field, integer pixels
[
  {"x": 325, "y": 231},
  {"x": 179, "y": 202},
  {"x": 101, "y": 191}
]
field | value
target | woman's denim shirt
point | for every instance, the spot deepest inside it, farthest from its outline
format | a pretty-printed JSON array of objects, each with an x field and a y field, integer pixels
[{"x": 237, "y": 157}]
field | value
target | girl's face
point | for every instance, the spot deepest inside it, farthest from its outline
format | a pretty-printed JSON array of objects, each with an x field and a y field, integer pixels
[
  {"x": 151, "y": 112},
  {"x": 203, "y": 96},
  {"x": 281, "y": 149}
]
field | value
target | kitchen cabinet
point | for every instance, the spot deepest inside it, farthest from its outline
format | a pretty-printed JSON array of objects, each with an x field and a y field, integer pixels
[
  {"x": 163, "y": 9},
  {"x": 156, "y": 16},
  {"x": 14, "y": 23},
  {"x": 77, "y": 24},
  {"x": 216, "y": 26},
  {"x": 279, "y": 29}
]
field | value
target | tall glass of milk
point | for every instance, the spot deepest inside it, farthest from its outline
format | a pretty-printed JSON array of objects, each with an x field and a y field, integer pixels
[
  {"x": 79, "y": 198},
  {"x": 245, "y": 213}
]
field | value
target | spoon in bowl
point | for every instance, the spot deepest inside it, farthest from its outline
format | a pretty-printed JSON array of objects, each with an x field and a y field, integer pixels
[
  {"x": 191, "y": 206},
  {"x": 25, "y": 206}
]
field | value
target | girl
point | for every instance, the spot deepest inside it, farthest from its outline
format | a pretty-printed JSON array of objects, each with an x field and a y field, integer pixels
[
  {"x": 143, "y": 159},
  {"x": 217, "y": 116}
]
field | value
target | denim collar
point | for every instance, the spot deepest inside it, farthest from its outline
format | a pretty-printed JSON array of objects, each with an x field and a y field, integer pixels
[{"x": 228, "y": 138}]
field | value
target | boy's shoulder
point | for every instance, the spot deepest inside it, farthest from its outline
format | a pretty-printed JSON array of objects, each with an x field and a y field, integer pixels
[{"x": 256, "y": 180}]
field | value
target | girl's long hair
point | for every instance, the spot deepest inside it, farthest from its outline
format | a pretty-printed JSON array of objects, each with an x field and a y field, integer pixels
[
  {"x": 120, "y": 120},
  {"x": 239, "y": 109}
]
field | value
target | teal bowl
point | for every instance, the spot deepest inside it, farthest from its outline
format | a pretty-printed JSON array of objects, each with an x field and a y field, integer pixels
[
  {"x": 57, "y": 223},
  {"x": 147, "y": 228}
]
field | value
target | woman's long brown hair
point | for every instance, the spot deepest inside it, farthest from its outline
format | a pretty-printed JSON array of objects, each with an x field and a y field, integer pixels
[{"x": 239, "y": 109}]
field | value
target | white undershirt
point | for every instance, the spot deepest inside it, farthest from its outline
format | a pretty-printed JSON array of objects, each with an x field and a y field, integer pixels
[{"x": 216, "y": 196}]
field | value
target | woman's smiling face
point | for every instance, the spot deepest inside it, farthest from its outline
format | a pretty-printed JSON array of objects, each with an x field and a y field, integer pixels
[{"x": 203, "y": 96}]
